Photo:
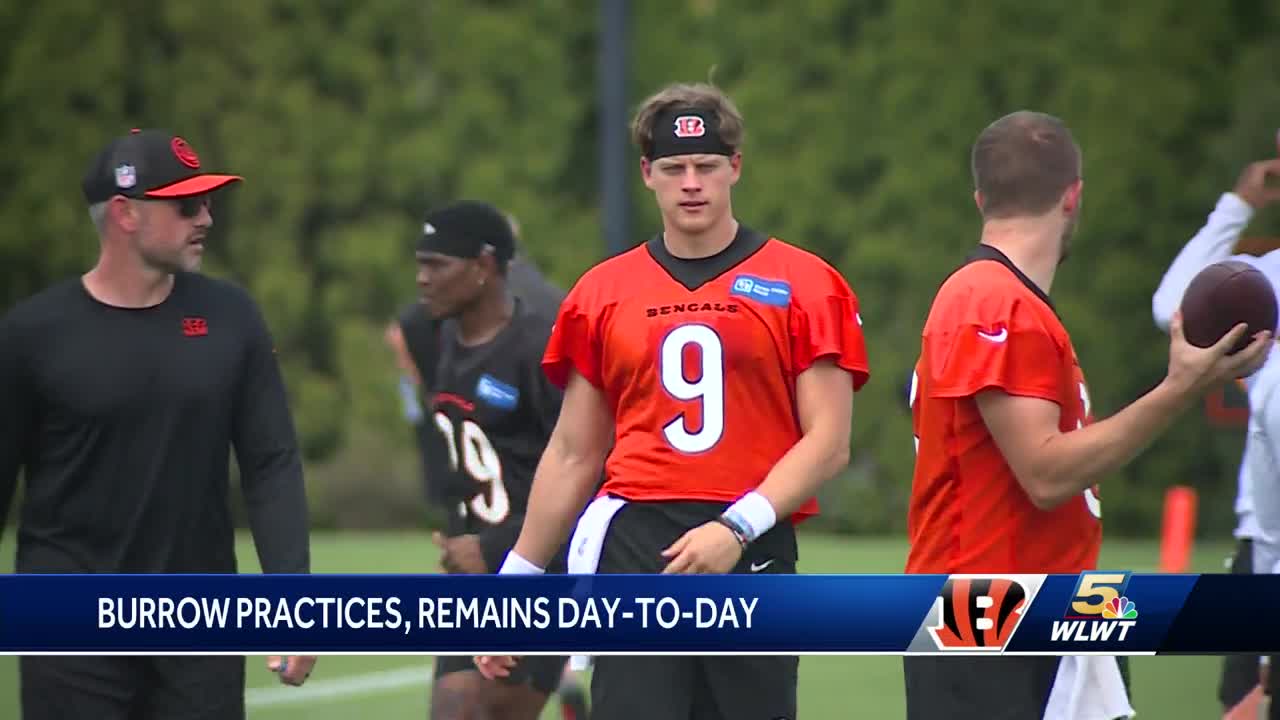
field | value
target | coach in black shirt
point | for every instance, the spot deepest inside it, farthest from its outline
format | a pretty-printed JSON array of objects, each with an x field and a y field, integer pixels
[{"x": 123, "y": 393}]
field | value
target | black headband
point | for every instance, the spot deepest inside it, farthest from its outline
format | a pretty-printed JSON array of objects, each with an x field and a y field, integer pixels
[
  {"x": 687, "y": 131},
  {"x": 453, "y": 244},
  {"x": 465, "y": 229}
]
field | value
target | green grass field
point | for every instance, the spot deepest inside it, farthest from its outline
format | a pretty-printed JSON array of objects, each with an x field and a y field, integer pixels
[{"x": 830, "y": 687}]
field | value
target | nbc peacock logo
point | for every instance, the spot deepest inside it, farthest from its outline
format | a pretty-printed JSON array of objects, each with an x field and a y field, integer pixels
[{"x": 1120, "y": 608}]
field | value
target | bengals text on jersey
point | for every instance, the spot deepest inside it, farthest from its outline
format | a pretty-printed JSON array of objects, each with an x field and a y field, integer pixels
[{"x": 699, "y": 359}]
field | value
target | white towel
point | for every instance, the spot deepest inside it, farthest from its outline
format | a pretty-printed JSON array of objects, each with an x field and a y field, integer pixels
[
  {"x": 1088, "y": 687},
  {"x": 586, "y": 545}
]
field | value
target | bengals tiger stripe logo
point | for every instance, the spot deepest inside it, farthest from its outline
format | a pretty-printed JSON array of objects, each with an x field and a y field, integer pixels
[{"x": 978, "y": 613}]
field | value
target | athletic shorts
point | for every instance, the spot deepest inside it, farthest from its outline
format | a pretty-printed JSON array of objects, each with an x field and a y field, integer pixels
[
  {"x": 717, "y": 687},
  {"x": 132, "y": 688},
  {"x": 977, "y": 688},
  {"x": 981, "y": 688},
  {"x": 1240, "y": 672},
  {"x": 543, "y": 672}
]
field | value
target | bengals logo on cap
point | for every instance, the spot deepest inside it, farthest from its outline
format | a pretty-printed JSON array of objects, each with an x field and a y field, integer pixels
[
  {"x": 690, "y": 126},
  {"x": 184, "y": 153}
]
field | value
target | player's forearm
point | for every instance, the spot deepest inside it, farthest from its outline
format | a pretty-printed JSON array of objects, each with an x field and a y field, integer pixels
[
  {"x": 824, "y": 404},
  {"x": 810, "y": 463},
  {"x": 1071, "y": 462},
  {"x": 563, "y": 484},
  {"x": 1213, "y": 243},
  {"x": 497, "y": 541}
]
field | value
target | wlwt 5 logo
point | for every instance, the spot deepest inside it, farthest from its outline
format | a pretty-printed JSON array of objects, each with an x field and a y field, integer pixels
[{"x": 1099, "y": 610}]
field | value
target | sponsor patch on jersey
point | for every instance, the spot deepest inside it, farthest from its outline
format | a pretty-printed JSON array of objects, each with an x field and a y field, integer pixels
[
  {"x": 769, "y": 292},
  {"x": 494, "y": 392}
]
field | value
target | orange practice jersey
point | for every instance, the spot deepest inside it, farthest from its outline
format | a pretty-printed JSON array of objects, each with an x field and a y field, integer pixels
[
  {"x": 991, "y": 328},
  {"x": 701, "y": 379}
]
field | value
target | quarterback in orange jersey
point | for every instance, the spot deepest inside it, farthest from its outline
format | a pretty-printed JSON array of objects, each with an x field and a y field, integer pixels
[
  {"x": 1007, "y": 453},
  {"x": 714, "y": 367},
  {"x": 992, "y": 327},
  {"x": 702, "y": 379}
]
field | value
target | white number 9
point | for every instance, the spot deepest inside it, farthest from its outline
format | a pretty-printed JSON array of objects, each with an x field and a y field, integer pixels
[
  {"x": 482, "y": 463},
  {"x": 709, "y": 387}
]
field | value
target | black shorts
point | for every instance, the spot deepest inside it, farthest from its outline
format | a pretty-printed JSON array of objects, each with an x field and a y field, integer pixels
[
  {"x": 1240, "y": 672},
  {"x": 725, "y": 687},
  {"x": 543, "y": 672},
  {"x": 1005, "y": 687},
  {"x": 977, "y": 688},
  {"x": 132, "y": 688}
]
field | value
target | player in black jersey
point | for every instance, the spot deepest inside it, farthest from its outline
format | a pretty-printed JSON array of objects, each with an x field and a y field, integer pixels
[
  {"x": 493, "y": 410},
  {"x": 414, "y": 338},
  {"x": 122, "y": 394}
]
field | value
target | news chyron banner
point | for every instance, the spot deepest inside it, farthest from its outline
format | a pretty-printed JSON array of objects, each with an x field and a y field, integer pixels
[{"x": 1110, "y": 612}]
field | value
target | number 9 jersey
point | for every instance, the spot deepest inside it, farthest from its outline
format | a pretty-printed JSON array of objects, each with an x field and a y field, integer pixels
[{"x": 698, "y": 360}]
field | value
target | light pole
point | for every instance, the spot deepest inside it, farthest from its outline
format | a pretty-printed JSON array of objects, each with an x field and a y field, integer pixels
[{"x": 612, "y": 93}]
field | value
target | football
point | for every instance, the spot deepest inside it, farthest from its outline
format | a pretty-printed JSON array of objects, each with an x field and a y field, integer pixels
[{"x": 1223, "y": 295}]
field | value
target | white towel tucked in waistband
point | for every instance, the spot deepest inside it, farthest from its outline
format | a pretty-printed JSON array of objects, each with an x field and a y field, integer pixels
[
  {"x": 586, "y": 545},
  {"x": 1088, "y": 687}
]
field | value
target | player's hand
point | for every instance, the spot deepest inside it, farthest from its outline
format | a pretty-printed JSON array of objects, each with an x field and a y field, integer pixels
[
  {"x": 293, "y": 670},
  {"x": 495, "y": 666},
  {"x": 460, "y": 555},
  {"x": 710, "y": 548},
  {"x": 1194, "y": 369},
  {"x": 1259, "y": 183}
]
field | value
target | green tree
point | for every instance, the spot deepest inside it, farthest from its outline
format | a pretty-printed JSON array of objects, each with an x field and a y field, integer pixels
[{"x": 349, "y": 120}]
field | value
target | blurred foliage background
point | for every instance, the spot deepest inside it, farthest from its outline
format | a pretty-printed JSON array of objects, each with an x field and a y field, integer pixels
[{"x": 349, "y": 120}]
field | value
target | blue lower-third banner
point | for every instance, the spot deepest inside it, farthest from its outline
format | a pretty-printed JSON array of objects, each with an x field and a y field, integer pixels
[{"x": 1113, "y": 612}]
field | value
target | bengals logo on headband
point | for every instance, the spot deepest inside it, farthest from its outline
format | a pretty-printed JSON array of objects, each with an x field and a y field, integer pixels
[{"x": 690, "y": 126}]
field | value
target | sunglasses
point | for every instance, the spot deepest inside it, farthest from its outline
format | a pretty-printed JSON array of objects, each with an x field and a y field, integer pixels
[{"x": 188, "y": 207}]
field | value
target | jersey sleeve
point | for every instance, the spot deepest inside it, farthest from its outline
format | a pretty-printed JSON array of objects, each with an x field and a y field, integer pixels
[
  {"x": 988, "y": 339},
  {"x": 575, "y": 341},
  {"x": 16, "y": 414},
  {"x": 270, "y": 462},
  {"x": 825, "y": 323}
]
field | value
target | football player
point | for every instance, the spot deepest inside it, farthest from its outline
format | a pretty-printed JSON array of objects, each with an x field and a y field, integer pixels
[
  {"x": 1008, "y": 456},
  {"x": 492, "y": 409},
  {"x": 715, "y": 366}
]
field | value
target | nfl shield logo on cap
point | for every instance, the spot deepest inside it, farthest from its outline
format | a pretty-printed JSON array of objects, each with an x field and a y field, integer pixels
[{"x": 126, "y": 176}]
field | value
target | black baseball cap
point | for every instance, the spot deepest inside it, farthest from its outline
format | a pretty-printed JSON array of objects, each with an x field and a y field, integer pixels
[
  {"x": 149, "y": 164},
  {"x": 464, "y": 229}
]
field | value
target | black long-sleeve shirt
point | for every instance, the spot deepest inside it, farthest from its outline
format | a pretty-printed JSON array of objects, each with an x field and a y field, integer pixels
[{"x": 123, "y": 422}]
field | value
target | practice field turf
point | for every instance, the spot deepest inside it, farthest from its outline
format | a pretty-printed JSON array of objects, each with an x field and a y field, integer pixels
[{"x": 830, "y": 687}]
